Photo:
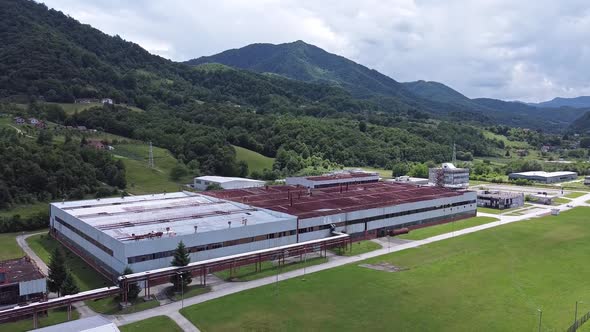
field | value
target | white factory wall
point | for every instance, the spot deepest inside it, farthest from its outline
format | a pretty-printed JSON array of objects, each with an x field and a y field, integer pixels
[
  {"x": 32, "y": 287},
  {"x": 117, "y": 262},
  {"x": 228, "y": 185},
  {"x": 142, "y": 247}
]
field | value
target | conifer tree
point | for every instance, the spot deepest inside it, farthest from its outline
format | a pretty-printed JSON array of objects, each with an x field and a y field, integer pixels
[
  {"x": 57, "y": 272},
  {"x": 69, "y": 286},
  {"x": 181, "y": 258},
  {"x": 134, "y": 289}
]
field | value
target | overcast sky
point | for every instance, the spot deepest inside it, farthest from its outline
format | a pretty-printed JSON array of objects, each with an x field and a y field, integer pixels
[{"x": 530, "y": 50}]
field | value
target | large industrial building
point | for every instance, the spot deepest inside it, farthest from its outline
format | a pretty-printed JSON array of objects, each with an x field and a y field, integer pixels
[
  {"x": 544, "y": 177},
  {"x": 334, "y": 179},
  {"x": 142, "y": 231},
  {"x": 449, "y": 176}
]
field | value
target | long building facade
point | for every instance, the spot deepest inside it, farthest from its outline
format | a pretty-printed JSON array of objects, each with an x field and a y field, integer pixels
[{"x": 142, "y": 231}]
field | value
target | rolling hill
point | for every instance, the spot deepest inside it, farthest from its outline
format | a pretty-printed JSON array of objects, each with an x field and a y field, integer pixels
[{"x": 577, "y": 102}]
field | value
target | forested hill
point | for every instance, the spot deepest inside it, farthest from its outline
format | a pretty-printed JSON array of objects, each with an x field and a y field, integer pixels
[
  {"x": 582, "y": 124},
  {"x": 305, "y": 62},
  {"x": 197, "y": 112}
]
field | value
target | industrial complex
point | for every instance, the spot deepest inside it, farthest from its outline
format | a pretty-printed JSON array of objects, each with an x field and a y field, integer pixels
[
  {"x": 499, "y": 199},
  {"x": 142, "y": 231},
  {"x": 544, "y": 177}
]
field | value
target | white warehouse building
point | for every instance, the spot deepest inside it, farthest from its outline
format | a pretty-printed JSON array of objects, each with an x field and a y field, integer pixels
[
  {"x": 142, "y": 232},
  {"x": 333, "y": 179},
  {"x": 544, "y": 177},
  {"x": 225, "y": 182}
]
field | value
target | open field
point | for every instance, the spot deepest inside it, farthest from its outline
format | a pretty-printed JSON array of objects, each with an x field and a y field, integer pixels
[
  {"x": 189, "y": 291},
  {"x": 561, "y": 200},
  {"x": 426, "y": 232},
  {"x": 144, "y": 180},
  {"x": 248, "y": 272},
  {"x": 71, "y": 108},
  {"x": 55, "y": 316},
  {"x": 26, "y": 210},
  {"x": 493, "y": 280},
  {"x": 9, "y": 249},
  {"x": 154, "y": 324},
  {"x": 86, "y": 278},
  {"x": 255, "y": 161}
]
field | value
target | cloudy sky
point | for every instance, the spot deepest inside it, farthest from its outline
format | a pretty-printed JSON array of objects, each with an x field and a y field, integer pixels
[{"x": 530, "y": 50}]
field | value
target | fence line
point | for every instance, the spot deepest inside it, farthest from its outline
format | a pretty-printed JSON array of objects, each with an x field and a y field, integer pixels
[{"x": 579, "y": 323}]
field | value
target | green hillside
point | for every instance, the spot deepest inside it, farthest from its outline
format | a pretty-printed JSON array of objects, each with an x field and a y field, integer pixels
[
  {"x": 256, "y": 161},
  {"x": 142, "y": 179}
]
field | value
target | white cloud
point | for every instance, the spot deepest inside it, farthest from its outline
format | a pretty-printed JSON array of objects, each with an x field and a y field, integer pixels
[{"x": 529, "y": 50}]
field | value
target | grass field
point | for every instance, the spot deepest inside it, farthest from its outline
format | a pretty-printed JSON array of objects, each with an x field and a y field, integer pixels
[
  {"x": 248, "y": 272},
  {"x": 26, "y": 210},
  {"x": 575, "y": 194},
  {"x": 70, "y": 108},
  {"x": 110, "y": 306},
  {"x": 561, "y": 200},
  {"x": 426, "y": 232},
  {"x": 8, "y": 247},
  {"x": 153, "y": 324},
  {"x": 55, "y": 316},
  {"x": 86, "y": 277},
  {"x": 493, "y": 280},
  {"x": 189, "y": 291},
  {"x": 144, "y": 180},
  {"x": 359, "y": 248},
  {"x": 255, "y": 161}
]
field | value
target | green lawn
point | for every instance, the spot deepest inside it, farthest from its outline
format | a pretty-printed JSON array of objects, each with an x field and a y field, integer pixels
[
  {"x": 71, "y": 108},
  {"x": 491, "y": 211},
  {"x": 86, "y": 277},
  {"x": 255, "y": 161},
  {"x": 8, "y": 247},
  {"x": 144, "y": 180},
  {"x": 26, "y": 211},
  {"x": 189, "y": 291},
  {"x": 153, "y": 324},
  {"x": 561, "y": 200},
  {"x": 110, "y": 305},
  {"x": 426, "y": 232},
  {"x": 575, "y": 194},
  {"x": 247, "y": 273},
  {"x": 55, "y": 316},
  {"x": 358, "y": 248},
  {"x": 493, "y": 280}
]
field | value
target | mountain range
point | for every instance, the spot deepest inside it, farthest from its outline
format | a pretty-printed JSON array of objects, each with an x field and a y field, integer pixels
[
  {"x": 301, "y": 61},
  {"x": 576, "y": 102}
]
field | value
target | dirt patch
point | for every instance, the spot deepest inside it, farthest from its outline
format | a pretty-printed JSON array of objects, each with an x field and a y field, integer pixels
[{"x": 384, "y": 267}]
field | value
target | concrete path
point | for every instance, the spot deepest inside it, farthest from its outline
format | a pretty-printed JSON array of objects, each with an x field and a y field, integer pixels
[
  {"x": 81, "y": 307},
  {"x": 227, "y": 288}
]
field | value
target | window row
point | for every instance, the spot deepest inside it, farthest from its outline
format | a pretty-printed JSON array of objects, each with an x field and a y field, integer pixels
[{"x": 85, "y": 236}]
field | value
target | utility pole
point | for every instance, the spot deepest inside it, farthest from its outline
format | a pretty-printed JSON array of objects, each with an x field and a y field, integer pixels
[
  {"x": 454, "y": 153},
  {"x": 540, "y": 318},
  {"x": 151, "y": 156}
]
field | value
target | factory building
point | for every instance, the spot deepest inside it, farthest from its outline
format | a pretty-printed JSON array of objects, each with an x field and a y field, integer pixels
[
  {"x": 224, "y": 182},
  {"x": 499, "y": 199},
  {"x": 544, "y": 177},
  {"x": 142, "y": 231},
  {"x": 410, "y": 180},
  {"x": 21, "y": 281},
  {"x": 334, "y": 179},
  {"x": 449, "y": 176}
]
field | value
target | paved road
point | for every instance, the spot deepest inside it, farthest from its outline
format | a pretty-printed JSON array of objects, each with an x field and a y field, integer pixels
[{"x": 228, "y": 288}]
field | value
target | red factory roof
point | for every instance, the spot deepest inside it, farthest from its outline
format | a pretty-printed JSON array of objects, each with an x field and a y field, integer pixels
[
  {"x": 347, "y": 175},
  {"x": 18, "y": 270},
  {"x": 332, "y": 200}
]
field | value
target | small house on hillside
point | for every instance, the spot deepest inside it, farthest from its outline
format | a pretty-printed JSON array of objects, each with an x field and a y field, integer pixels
[
  {"x": 97, "y": 144},
  {"x": 82, "y": 128},
  {"x": 19, "y": 121},
  {"x": 107, "y": 101}
]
